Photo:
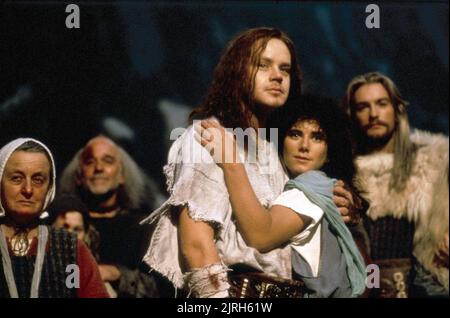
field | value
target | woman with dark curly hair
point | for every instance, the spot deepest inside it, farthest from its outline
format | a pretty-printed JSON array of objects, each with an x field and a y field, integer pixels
[
  {"x": 314, "y": 146},
  {"x": 195, "y": 242}
]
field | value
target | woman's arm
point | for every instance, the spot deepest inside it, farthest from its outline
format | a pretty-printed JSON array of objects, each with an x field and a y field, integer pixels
[{"x": 261, "y": 228}]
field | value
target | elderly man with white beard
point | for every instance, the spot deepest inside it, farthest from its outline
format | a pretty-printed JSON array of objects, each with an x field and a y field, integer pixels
[{"x": 117, "y": 193}]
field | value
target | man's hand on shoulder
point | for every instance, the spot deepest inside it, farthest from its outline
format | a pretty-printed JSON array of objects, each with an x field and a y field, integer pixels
[{"x": 348, "y": 203}]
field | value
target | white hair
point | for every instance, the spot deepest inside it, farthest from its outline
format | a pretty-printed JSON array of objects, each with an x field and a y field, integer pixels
[{"x": 137, "y": 191}]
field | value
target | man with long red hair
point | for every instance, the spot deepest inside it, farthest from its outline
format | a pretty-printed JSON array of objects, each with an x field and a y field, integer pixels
[{"x": 196, "y": 241}]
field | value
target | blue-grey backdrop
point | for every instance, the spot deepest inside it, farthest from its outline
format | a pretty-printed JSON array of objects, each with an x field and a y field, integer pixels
[{"x": 133, "y": 70}]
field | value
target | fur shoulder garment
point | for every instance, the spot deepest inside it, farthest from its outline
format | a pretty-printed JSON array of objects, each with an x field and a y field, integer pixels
[{"x": 423, "y": 201}]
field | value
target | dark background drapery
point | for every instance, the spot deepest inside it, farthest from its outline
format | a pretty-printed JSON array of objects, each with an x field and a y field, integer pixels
[{"x": 134, "y": 69}]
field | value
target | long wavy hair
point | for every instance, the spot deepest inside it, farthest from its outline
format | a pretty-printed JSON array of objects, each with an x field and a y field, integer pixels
[
  {"x": 137, "y": 192},
  {"x": 230, "y": 94},
  {"x": 404, "y": 148}
]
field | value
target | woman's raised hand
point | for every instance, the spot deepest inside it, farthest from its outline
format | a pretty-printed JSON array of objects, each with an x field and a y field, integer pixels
[{"x": 217, "y": 140}]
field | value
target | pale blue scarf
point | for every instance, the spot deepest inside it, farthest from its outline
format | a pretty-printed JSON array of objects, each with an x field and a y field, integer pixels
[{"x": 318, "y": 188}]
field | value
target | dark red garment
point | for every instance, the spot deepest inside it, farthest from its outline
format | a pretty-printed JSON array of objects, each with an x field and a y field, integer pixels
[{"x": 91, "y": 284}]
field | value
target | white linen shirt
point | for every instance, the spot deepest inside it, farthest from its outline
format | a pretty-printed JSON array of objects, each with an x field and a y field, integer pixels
[
  {"x": 195, "y": 181},
  {"x": 307, "y": 242}
]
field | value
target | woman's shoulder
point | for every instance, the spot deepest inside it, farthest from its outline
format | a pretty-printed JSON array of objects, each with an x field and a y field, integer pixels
[
  {"x": 293, "y": 196},
  {"x": 296, "y": 200}
]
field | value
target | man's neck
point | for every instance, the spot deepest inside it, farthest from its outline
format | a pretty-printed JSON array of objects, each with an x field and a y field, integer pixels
[
  {"x": 387, "y": 147},
  {"x": 260, "y": 116},
  {"x": 103, "y": 215},
  {"x": 108, "y": 204},
  {"x": 256, "y": 122},
  {"x": 105, "y": 209},
  {"x": 102, "y": 206}
]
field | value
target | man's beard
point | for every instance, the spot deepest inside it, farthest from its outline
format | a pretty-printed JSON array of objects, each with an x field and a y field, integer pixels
[{"x": 372, "y": 143}]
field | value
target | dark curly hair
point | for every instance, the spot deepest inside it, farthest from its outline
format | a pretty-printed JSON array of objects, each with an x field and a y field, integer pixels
[
  {"x": 334, "y": 123},
  {"x": 229, "y": 97}
]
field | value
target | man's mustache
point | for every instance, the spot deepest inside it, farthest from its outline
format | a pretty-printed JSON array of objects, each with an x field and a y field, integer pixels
[{"x": 378, "y": 122}]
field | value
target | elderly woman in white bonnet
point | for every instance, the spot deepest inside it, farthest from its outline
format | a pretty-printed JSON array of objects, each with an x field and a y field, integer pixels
[{"x": 35, "y": 257}]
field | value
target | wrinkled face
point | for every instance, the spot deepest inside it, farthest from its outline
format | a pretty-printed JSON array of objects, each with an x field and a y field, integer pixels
[
  {"x": 374, "y": 111},
  {"x": 305, "y": 147},
  {"x": 272, "y": 79},
  {"x": 25, "y": 184},
  {"x": 72, "y": 221},
  {"x": 100, "y": 167}
]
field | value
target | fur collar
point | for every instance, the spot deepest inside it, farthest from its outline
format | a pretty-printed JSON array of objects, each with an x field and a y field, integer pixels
[{"x": 415, "y": 200}]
